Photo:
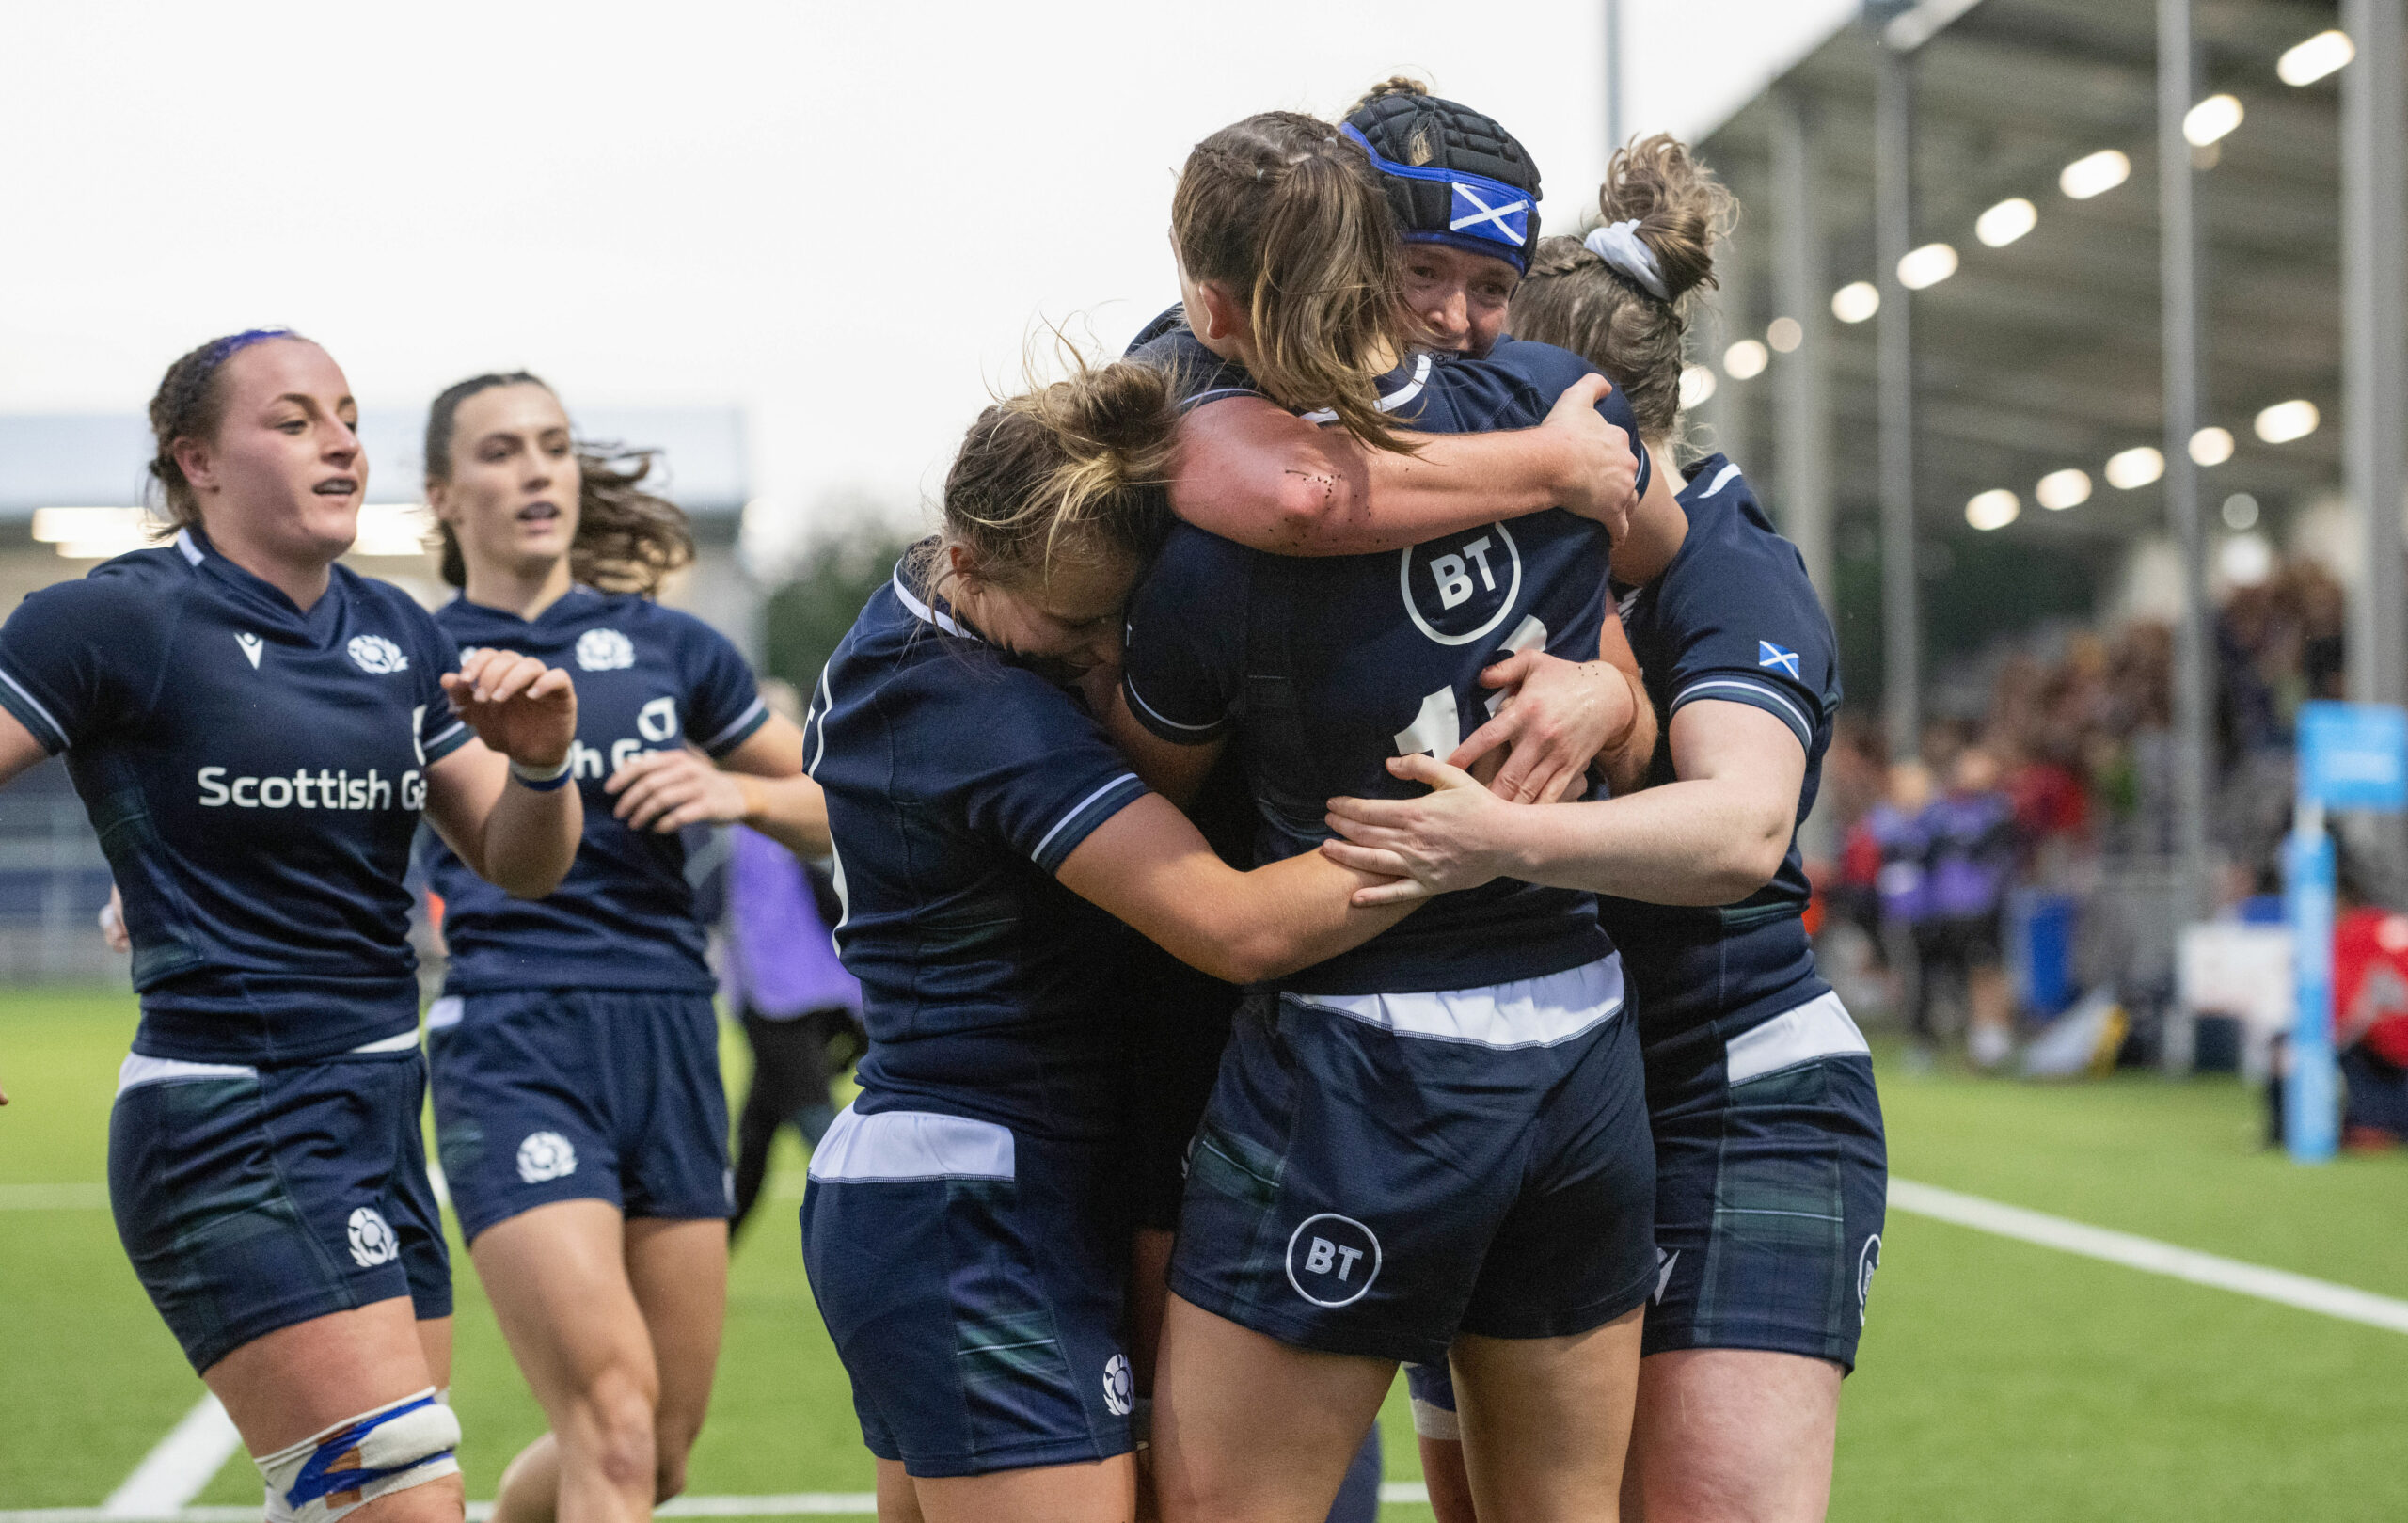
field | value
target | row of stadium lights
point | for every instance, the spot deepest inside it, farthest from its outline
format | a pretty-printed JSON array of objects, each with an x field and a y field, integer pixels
[{"x": 2206, "y": 125}]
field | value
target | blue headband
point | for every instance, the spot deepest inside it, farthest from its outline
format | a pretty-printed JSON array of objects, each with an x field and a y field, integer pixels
[{"x": 1486, "y": 212}]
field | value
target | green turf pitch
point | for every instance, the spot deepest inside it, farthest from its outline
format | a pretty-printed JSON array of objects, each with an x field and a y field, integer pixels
[{"x": 2000, "y": 1380}]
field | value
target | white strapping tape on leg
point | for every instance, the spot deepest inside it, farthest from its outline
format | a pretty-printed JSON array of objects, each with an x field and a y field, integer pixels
[
  {"x": 1431, "y": 1420},
  {"x": 404, "y": 1444}
]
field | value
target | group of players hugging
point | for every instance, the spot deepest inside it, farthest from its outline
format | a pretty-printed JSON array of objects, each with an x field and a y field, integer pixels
[{"x": 1316, "y": 833}]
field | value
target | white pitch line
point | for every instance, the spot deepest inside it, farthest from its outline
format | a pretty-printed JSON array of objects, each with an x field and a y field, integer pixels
[
  {"x": 794, "y": 1505},
  {"x": 2278, "y": 1285},
  {"x": 178, "y": 1466},
  {"x": 54, "y": 1197}
]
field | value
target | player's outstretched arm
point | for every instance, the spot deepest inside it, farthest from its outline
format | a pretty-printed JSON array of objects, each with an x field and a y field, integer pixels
[
  {"x": 1147, "y": 865},
  {"x": 505, "y": 801},
  {"x": 1713, "y": 836},
  {"x": 1254, "y": 472},
  {"x": 759, "y": 783}
]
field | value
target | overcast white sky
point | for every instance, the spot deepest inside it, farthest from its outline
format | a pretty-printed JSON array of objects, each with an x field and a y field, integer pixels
[{"x": 845, "y": 220}]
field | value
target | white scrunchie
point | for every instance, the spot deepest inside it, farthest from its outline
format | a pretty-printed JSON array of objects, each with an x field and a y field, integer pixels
[{"x": 1619, "y": 244}]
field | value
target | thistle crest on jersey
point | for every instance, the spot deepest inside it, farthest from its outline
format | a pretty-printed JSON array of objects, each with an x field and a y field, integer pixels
[
  {"x": 605, "y": 650},
  {"x": 376, "y": 654}
]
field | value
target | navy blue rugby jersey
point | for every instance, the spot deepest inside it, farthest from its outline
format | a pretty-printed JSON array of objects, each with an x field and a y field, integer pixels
[
  {"x": 255, "y": 775},
  {"x": 1324, "y": 668},
  {"x": 648, "y": 678},
  {"x": 1732, "y": 619},
  {"x": 957, "y": 783}
]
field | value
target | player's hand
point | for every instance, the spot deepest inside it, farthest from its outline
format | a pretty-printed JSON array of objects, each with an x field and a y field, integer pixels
[
  {"x": 1560, "y": 715},
  {"x": 1447, "y": 840},
  {"x": 665, "y": 791},
  {"x": 1599, "y": 479},
  {"x": 113, "y": 923},
  {"x": 517, "y": 705}
]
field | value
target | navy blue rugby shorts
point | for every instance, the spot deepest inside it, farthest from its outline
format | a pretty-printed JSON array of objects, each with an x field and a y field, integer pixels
[
  {"x": 579, "y": 1094},
  {"x": 973, "y": 1279},
  {"x": 1771, "y": 1181},
  {"x": 1378, "y": 1172},
  {"x": 1770, "y": 1185},
  {"x": 253, "y": 1198}
]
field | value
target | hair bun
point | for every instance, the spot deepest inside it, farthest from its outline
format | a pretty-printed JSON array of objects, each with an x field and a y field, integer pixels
[{"x": 1681, "y": 209}]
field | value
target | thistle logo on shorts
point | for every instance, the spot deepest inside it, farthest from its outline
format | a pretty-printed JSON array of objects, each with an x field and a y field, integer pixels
[
  {"x": 1332, "y": 1260},
  {"x": 545, "y": 1156},
  {"x": 605, "y": 650},
  {"x": 372, "y": 1239},
  {"x": 1119, "y": 1392},
  {"x": 1867, "y": 1261},
  {"x": 1460, "y": 588},
  {"x": 376, "y": 654}
]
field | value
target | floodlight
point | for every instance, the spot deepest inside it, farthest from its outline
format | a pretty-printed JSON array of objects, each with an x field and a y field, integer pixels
[
  {"x": 1993, "y": 509},
  {"x": 2136, "y": 467},
  {"x": 2095, "y": 175}
]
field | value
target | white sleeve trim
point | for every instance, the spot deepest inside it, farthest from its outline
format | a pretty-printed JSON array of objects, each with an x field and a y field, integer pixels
[
  {"x": 47, "y": 717},
  {"x": 1164, "y": 719},
  {"x": 741, "y": 721},
  {"x": 1076, "y": 810},
  {"x": 1696, "y": 689}
]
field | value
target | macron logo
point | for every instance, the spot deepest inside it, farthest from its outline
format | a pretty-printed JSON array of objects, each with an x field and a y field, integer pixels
[
  {"x": 252, "y": 645},
  {"x": 1769, "y": 654}
]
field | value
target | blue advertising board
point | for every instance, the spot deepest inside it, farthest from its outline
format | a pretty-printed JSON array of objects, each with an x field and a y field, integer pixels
[{"x": 2353, "y": 755}]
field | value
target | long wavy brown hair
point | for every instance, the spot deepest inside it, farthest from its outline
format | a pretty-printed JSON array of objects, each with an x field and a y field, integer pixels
[{"x": 627, "y": 539}]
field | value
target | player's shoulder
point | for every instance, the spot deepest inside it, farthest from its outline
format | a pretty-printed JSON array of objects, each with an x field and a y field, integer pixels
[
  {"x": 128, "y": 593},
  {"x": 1197, "y": 375},
  {"x": 1514, "y": 386},
  {"x": 1729, "y": 532}
]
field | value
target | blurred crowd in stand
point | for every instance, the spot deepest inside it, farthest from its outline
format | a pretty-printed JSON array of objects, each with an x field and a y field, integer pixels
[{"x": 2025, "y": 856}]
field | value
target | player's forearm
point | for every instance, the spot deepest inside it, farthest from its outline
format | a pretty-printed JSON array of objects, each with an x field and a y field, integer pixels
[
  {"x": 530, "y": 838},
  {"x": 1304, "y": 490},
  {"x": 791, "y": 811},
  {"x": 1289, "y": 915},
  {"x": 1694, "y": 843}
]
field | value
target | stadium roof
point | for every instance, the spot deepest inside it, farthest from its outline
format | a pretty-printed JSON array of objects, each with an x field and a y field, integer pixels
[
  {"x": 2044, "y": 354},
  {"x": 98, "y": 459}
]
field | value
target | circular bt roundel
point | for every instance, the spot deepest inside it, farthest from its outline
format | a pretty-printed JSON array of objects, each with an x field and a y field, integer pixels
[
  {"x": 1119, "y": 1390},
  {"x": 1460, "y": 588},
  {"x": 1332, "y": 1260}
]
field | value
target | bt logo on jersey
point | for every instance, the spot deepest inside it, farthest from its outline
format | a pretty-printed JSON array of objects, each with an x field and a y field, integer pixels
[{"x": 1460, "y": 588}]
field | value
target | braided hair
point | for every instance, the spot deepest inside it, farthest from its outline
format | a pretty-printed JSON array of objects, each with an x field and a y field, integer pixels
[{"x": 190, "y": 403}]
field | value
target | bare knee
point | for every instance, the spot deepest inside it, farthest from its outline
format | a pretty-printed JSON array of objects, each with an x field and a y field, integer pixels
[{"x": 614, "y": 1423}]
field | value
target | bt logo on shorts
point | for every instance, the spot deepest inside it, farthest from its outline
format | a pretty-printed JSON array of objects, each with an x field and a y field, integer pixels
[
  {"x": 1460, "y": 588},
  {"x": 1119, "y": 1390},
  {"x": 545, "y": 1156},
  {"x": 372, "y": 1238},
  {"x": 1332, "y": 1260}
]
